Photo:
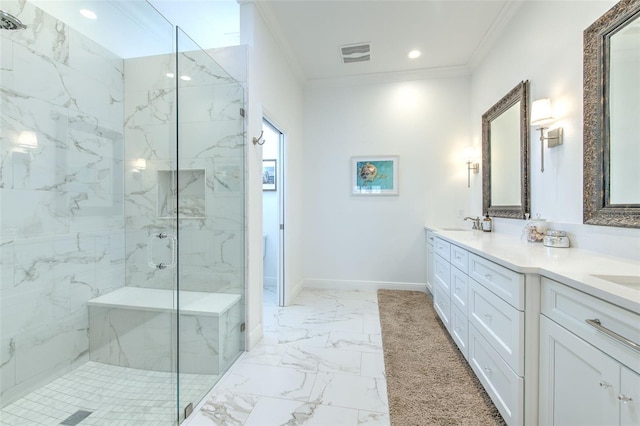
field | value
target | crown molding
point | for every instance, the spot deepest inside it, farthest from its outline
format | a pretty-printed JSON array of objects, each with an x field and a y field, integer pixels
[
  {"x": 388, "y": 77},
  {"x": 494, "y": 32},
  {"x": 264, "y": 9}
]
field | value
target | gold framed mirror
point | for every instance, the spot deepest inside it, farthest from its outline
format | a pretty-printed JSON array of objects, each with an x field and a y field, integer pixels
[
  {"x": 505, "y": 155},
  {"x": 611, "y": 194}
]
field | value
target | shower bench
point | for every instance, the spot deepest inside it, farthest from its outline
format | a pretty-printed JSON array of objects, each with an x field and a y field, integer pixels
[{"x": 136, "y": 327}]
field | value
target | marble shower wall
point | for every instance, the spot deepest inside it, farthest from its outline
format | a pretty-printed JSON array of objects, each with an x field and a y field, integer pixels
[
  {"x": 74, "y": 216},
  {"x": 210, "y": 151},
  {"x": 61, "y": 202}
]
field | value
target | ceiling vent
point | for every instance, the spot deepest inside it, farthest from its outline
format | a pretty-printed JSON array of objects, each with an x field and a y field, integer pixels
[{"x": 360, "y": 52}]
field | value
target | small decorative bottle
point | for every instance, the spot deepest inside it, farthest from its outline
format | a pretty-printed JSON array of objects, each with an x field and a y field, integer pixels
[{"x": 487, "y": 223}]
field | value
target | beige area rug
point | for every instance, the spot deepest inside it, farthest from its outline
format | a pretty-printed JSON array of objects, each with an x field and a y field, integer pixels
[{"x": 428, "y": 380}]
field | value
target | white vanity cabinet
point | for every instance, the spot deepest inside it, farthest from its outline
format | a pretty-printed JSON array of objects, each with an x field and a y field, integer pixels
[
  {"x": 497, "y": 334},
  {"x": 429, "y": 261},
  {"x": 587, "y": 374},
  {"x": 459, "y": 308},
  {"x": 482, "y": 305},
  {"x": 442, "y": 281},
  {"x": 551, "y": 334}
]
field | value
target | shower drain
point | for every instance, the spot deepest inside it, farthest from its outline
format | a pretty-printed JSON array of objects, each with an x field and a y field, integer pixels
[{"x": 76, "y": 417}]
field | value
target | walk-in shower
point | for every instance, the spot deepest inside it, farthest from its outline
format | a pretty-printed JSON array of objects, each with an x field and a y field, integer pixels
[{"x": 122, "y": 221}]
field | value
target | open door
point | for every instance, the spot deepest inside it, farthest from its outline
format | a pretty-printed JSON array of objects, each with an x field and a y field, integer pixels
[{"x": 273, "y": 214}]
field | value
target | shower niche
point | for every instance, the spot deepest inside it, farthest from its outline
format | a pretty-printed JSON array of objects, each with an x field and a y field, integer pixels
[{"x": 190, "y": 184}]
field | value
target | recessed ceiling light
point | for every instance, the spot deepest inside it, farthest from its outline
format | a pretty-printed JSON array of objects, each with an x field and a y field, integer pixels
[
  {"x": 185, "y": 78},
  {"x": 170, "y": 75},
  {"x": 414, "y": 54},
  {"x": 89, "y": 14}
]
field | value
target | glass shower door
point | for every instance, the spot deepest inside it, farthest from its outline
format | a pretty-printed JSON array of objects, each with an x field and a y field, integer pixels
[
  {"x": 210, "y": 211},
  {"x": 88, "y": 255}
]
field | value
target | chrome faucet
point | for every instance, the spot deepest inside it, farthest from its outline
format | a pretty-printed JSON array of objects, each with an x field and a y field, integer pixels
[{"x": 476, "y": 222}]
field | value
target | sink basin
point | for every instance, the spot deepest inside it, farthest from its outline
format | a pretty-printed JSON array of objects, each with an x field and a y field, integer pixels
[
  {"x": 454, "y": 228},
  {"x": 632, "y": 281}
]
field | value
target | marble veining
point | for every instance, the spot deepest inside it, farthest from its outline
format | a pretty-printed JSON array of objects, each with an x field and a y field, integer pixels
[
  {"x": 84, "y": 212},
  {"x": 296, "y": 375}
]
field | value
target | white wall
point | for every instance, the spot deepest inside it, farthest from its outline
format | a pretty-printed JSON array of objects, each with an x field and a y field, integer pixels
[
  {"x": 379, "y": 240},
  {"x": 339, "y": 238},
  {"x": 543, "y": 44},
  {"x": 276, "y": 93}
]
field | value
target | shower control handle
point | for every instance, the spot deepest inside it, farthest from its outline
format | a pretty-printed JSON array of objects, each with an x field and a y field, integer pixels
[{"x": 173, "y": 243}]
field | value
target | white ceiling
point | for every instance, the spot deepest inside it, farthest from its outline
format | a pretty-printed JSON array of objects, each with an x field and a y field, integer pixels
[{"x": 450, "y": 33}]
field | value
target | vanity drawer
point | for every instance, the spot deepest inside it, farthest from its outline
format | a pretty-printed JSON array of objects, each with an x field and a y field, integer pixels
[
  {"x": 442, "y": 248},
  {"x": 442, "y": 304},
  {"x": 460, "y": 330},
  {"x": 460, "y": 258},
  {"x": 459, "y": 290},
  {"x": 500, "y": 323},
  {"x": 430, "y": 236},
  {"x": 442, "y": 272},
  {"x": 507, "y": 284},
  {"x": 505, "y": 388},
  {"x": 571, "y": 309}
]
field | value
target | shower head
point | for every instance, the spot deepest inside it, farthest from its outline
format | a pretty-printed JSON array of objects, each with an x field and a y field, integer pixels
[{"x": 10, "y": 22}]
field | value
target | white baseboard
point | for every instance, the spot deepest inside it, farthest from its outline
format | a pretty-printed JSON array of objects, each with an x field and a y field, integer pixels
[
  {"x": 255, "y": 335},
  {"x": 293, "y": 292},
  {"x": 270, "y": 281},
  {"x": 363, "y": 285}
]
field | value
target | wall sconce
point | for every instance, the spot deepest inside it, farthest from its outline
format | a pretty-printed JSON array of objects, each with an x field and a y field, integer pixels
[
  {"x": 541, "y": 115},
  {"x": 470, "y": 156}
]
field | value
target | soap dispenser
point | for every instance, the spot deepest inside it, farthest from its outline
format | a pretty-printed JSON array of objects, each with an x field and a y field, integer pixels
[{"x": 487, "y": 223}]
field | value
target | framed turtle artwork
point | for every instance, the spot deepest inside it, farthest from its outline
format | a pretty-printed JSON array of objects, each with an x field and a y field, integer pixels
[{"x": 374, "y": 175}]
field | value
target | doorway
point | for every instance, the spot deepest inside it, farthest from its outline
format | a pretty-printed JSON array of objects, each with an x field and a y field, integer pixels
[{"x": 273, "y": 193}]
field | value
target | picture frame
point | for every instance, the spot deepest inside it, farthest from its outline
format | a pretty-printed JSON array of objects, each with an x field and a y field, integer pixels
[
  {"x": 269, "y": 175},
  {"x": 374, "y": 175}
]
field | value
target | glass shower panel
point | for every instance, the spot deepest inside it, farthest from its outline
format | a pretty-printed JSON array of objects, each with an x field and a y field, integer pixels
[
  {"x": 87, "y": 131},
  {"x": 210, "y": 211}
]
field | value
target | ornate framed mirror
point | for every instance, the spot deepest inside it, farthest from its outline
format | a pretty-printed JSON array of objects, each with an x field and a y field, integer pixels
[
  {"x": 611, "y": 194},
  {"x": 505, "y": 155}
]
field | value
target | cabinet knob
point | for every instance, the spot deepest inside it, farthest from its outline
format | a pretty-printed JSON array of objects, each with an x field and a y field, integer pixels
[
  {"x": 488, "y": 276},
  {"x": 488, "y": 370},
  {"x": 605, "y": 385},
  {"x": 625, "y": 399},
  {"x": 488, "y": 316}
]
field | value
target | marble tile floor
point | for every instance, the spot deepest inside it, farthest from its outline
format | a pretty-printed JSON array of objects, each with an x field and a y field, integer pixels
[
  {"x": 320, "y": 363},
  {"x": 115, "y": 396},
  {"x": 270, "y": 296}
]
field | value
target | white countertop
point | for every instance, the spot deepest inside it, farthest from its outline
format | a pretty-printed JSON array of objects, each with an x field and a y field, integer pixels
[{"x": 570, "y": 266}]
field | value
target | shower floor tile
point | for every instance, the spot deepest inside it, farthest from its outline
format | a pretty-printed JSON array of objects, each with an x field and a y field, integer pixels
[{"x": 114, "y": 396}]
